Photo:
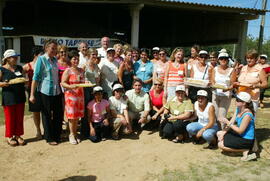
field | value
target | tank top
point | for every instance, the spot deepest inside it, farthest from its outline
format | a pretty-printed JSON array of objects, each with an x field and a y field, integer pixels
[
  {"x": 222, "y": 79},
  {"x": 157, "y": 101},
  {"x": 127, "y": 79},
  {"x": 203, "y": 116},
  {"x": 200, "y": 75},
  {"x": 61, "y": 70},
  {"x": 249, "y": 132},
  {"x": 250, "y": 77},
  {"x": 176, "y": 75},
  {"x": 160, "y": 68}
]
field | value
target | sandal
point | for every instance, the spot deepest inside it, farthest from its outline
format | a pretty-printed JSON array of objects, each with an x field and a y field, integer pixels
[
  {"x": 53, "y": 143},
  {"x": 12, "y": 142},
  {"x": 21, "y": 141},
  {"x": 178, "y": 141}
]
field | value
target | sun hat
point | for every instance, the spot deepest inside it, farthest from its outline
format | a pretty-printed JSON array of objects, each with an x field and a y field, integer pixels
[
  {"x": 110, "y": 49},
  {"x": 244, "y": 96},
  {"x": 263, "y": 56},
  {"x": 202, "y": 93},
  {"x": 180, "y": 88},
  {"x": 203, "y": 52},
  {"x": 223, "y": 55},
  {"x": 156, "y": 49},
  {"x": 10, "y": 53},
  {"x": 97, "y": 89},
  {"x": 117, "y": 86}
]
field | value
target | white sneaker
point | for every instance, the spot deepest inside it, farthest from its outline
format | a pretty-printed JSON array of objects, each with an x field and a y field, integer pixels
[
  {"x": 249, "y": 157},
  {"x": 72, "y": 139}
]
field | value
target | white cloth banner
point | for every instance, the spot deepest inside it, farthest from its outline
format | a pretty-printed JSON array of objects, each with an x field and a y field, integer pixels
[{"x": 67, "y": 41}]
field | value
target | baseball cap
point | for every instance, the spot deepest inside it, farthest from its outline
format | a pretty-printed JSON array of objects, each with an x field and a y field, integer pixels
[
  {"x": 203, "y": 52},
  {"x": 180, "y": 88},
  {"x": 244, "y": 96},
  {"x": 156, "y": 49},
  {"x": 263, "y": 56},
  {"x": 202, "y": 93},
  {"x": 223, "y": 54},
  {"x": 223, "y": 50},
  {"x": 10, "y": 53},
  {"x": 97, "y": 89},
  {"x": 110, "y": 49},
  {"x": 117, "y": 86}
]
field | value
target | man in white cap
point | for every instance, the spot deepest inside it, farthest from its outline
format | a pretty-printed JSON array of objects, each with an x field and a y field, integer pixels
[
  {"x": 178, "y": 110},
  {"x": 119, "y": 112},
  {"x": 109, "y": 71},
  {"x": 155, "y": 53}
]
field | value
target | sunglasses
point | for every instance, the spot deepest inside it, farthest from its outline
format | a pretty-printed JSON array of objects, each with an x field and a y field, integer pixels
[
  {"x": 238, "y": 100},
  {"x": 62, "y": 51},
  {"x": 223, "y": 58},
  {"x": 204, "y": 56},
  {"x": 162, "y": 54}
]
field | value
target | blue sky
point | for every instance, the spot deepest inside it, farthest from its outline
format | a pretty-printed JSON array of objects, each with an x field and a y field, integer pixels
[{"x": 254, "y": 25}]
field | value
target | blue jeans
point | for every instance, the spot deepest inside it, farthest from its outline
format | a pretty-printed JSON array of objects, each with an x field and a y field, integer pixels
[{"x": 208, "y": 134}]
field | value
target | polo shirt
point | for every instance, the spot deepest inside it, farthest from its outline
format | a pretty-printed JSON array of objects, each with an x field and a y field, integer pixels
[{"x": 138, "y": 102}]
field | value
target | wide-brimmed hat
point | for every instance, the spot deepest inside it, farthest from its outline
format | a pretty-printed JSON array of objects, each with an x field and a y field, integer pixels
[
  {"x": 10, "y": 53},
  {"x": 244, "y": 96}
]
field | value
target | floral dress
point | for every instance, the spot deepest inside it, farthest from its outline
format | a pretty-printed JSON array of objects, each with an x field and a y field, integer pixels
[{"x": 74, "y": 98}]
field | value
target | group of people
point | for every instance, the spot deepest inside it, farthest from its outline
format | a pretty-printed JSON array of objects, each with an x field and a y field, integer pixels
[{"x": 132, "y": 92}]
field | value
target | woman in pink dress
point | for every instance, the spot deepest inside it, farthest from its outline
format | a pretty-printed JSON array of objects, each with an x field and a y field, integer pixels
[{"x": 74, "y": 95}]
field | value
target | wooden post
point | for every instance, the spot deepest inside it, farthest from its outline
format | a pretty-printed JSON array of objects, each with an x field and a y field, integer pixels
[{"x": 241, "y": 46}]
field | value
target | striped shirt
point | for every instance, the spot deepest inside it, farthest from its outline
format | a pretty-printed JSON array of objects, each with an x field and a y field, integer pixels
[{"x": 176, "y": 74}]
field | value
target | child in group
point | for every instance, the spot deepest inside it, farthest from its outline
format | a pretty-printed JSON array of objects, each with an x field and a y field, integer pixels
[{"x": 98, "y": 113}]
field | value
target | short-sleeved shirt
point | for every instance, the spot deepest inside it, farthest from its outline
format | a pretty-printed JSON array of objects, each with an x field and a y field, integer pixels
[
  {"x": 119, "y": 105},
  {"x": 177, "y": 108},
  {"x": 144, "y": 71},
  {"x": 98, "y": 110},
  {"x": 138, "y": 102}
]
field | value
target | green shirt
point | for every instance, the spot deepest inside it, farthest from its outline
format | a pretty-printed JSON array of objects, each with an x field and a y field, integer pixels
[
  {"x": 177, "y": 108},
  {"x": 138, "y": 102}
]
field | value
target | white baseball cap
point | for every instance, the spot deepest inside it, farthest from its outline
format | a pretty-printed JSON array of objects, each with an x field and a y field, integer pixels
[
  {"x": 202, "y": 93},
  {"x": 223, "y": 50},
  {"x": 203, "y": 52},
  {"x": 223, "y": 54},
  {"x": 180, "y": 88},
  {"x": 244, "y": 96},
  {"x": 263, "y": 56},
  {"x": 156, "y": 49},
  {"x": 10, "y": 53},
  {"x": 110, "y": 49},
  {"x": 97, "y": 89},
  {"x": 117, "y": 86}
]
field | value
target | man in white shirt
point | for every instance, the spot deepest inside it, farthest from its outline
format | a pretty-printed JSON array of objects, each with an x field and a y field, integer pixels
[
  {"x": 109, "y": 72},
  {"x": 102, "y": 52},
  {"x": 83, "y": 48}
]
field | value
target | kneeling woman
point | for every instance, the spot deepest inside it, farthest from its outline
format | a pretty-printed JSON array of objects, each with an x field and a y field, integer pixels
[
  {"x": 206, "y": 127},
  {"x": 239, "y": 137},
  {"x": 176, "y": 113},
  {"x": 98, "y": 115}
]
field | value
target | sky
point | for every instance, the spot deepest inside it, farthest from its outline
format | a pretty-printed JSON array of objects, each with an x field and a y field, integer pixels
[{"x": 254, "y": 25}]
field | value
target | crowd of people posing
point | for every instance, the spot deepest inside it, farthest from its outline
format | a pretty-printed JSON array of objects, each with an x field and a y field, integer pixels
[{"x": 132, "y": 92}]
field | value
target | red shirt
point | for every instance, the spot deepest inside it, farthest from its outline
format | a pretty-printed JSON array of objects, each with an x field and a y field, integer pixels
[{"x": 157, "y": 101}]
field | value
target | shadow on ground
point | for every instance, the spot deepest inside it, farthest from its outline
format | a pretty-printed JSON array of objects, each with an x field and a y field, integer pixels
[{"x": 80, "y": 178}]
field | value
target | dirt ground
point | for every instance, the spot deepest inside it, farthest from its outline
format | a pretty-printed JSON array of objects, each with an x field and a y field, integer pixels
[{"x": 128, "y": 159}]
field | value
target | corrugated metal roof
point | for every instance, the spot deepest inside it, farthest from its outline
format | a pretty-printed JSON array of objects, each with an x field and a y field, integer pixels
[{"x": 244, "y": 10}]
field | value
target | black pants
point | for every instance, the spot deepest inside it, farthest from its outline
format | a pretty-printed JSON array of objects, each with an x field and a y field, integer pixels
[
  {"x": 52, "y": 117},
  {"x": 101, "y": 130},
  {"x": 173, "y": 129},
  {"x": 85, "y": 129},
  {"x": 262, "y": 91}
]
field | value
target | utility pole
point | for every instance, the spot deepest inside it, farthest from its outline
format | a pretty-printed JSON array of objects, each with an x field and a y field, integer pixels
[{"x": 264, "y": 2}]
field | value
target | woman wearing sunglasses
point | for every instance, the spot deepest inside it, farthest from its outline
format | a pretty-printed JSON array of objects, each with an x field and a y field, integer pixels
[{"x": 239, "y": 133}]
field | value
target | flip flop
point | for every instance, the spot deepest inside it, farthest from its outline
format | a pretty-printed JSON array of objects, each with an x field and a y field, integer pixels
[{"x": 12, "y": 142}]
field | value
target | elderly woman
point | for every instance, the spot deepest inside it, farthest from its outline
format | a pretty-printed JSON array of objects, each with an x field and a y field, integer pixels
[
  {"x": 252, "y": 78},
  {"x": 222, "y": 75},
  {"x": 239, "y": 133},
  {"x": 47, "y": 77},
  {"x": 98, "y": 116},
  {"x": 144, "y": 70},
  {"x": 119, "y": 112},
  {"x": 157, "y": 99},
  {"x": 176, "y": 113},
  {"x": 118, "y": 52},
  {"x": 74, "y": 95},
  {"x": 13, "y": 98},
  {"x": 175, "y": 72},
  {"x": 206, "y": 127}
]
